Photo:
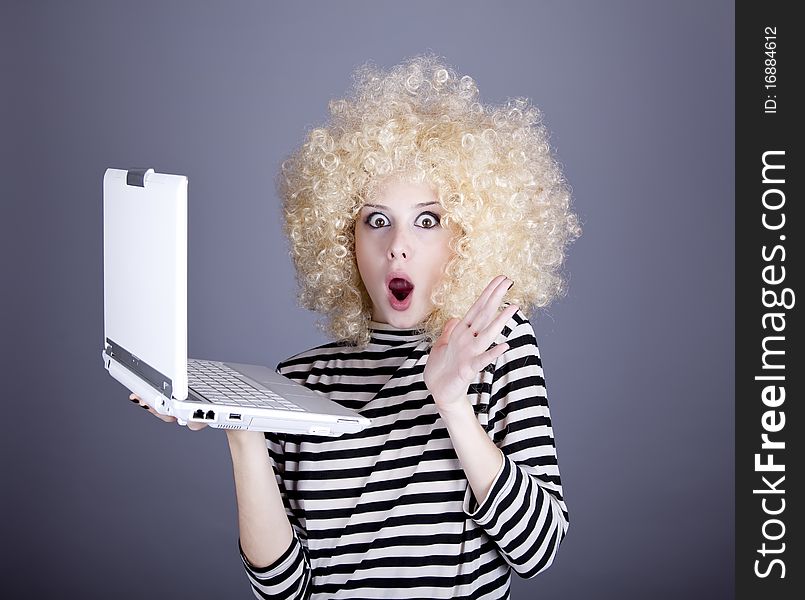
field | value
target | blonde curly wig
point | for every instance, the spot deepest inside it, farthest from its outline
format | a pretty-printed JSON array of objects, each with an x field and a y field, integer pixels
[{"x": 491, "y": 167}]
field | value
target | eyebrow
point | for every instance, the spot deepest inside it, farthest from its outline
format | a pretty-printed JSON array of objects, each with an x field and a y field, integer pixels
[{"x": 421, "y": 204}]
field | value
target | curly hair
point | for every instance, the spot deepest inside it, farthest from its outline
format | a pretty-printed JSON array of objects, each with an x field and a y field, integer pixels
[{"x": 505, "y": 198}]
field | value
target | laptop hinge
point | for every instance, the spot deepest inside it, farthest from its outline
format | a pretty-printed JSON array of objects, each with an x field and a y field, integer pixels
[{"x": 140, "y": 368}]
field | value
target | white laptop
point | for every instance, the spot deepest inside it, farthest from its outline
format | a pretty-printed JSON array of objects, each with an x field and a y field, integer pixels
[{"x": 145, "y": 323}]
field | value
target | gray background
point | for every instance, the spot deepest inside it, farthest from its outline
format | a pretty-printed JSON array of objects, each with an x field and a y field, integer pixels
[{"x": 100, "y": 499}]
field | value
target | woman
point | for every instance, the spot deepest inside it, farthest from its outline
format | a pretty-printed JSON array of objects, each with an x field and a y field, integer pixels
[{"x": 403, "y": 213}]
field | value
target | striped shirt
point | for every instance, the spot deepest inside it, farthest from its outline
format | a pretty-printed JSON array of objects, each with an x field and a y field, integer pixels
[{"x": 387, "y": 512}]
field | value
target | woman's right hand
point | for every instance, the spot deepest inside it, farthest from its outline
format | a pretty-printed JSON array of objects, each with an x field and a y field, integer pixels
[{"x": 192, "y": 425}]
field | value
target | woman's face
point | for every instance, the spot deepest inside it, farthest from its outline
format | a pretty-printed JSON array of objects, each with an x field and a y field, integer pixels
[{"x": 401, "y": 250}]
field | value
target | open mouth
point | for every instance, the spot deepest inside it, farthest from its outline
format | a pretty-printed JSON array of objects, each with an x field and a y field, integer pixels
[{"x": 400, "y": 288}]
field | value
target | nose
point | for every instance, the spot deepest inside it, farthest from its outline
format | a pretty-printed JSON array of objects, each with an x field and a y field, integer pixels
[{"x": 399, "y": 248}]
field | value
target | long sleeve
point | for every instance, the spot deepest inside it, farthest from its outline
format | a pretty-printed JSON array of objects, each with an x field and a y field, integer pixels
[
  {"x": 524, "y": 512},
  {"x": 289, "y": 576},
  {"x": 383, "y": 513}
]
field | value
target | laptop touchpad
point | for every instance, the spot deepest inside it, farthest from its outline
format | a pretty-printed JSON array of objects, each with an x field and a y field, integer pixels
[{"x": 257, "y": 373}]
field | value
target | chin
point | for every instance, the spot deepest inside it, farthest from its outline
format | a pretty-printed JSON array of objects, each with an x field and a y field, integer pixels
[
  {"x": 398, "y": 319},
  {"x": 406, "y": 323},
  {"x": 405, "y": 320}
]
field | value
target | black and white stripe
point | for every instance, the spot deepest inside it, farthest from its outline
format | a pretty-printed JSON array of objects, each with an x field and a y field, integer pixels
[{"x": 387, "y": 512}]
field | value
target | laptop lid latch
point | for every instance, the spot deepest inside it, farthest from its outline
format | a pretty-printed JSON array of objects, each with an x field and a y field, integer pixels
[{"x": 137, "y": 177}]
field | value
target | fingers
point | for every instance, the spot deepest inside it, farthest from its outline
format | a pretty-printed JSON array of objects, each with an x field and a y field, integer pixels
[
  {"x": 488, "y": 335},
  {"x": 488, "y": 357},
  {"x": 475, "y": 309},
  {"x": 165, "y": 418},
  {"x": 490, "y": 307},
  {"x": 485, "y": 308},
  {"x": 487, "y": 322},
  {"x": 448, "y": 328},
  {"x": 135, "y": 398}
]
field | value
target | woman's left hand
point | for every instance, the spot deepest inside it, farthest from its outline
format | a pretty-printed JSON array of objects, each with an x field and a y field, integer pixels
[{"x": 462, "y": 350}]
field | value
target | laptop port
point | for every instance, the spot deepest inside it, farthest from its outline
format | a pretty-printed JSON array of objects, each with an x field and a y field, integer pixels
[
  {"x": 234, "y": 417},
  {"x": 198, "y": 414},
  {"x": 210, "y": 415}
]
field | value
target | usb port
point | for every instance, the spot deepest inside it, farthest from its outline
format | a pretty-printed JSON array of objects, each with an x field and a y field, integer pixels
[{"x": 234, "y": 417}]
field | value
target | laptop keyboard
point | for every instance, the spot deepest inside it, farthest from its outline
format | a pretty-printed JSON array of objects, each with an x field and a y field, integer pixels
[{"x": 211, "y": 379}]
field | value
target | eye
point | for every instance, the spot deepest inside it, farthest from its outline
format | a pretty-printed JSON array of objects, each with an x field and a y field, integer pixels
[
  {"x": 427, "y": 220},
  {"x": 376, "y": 220}
]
